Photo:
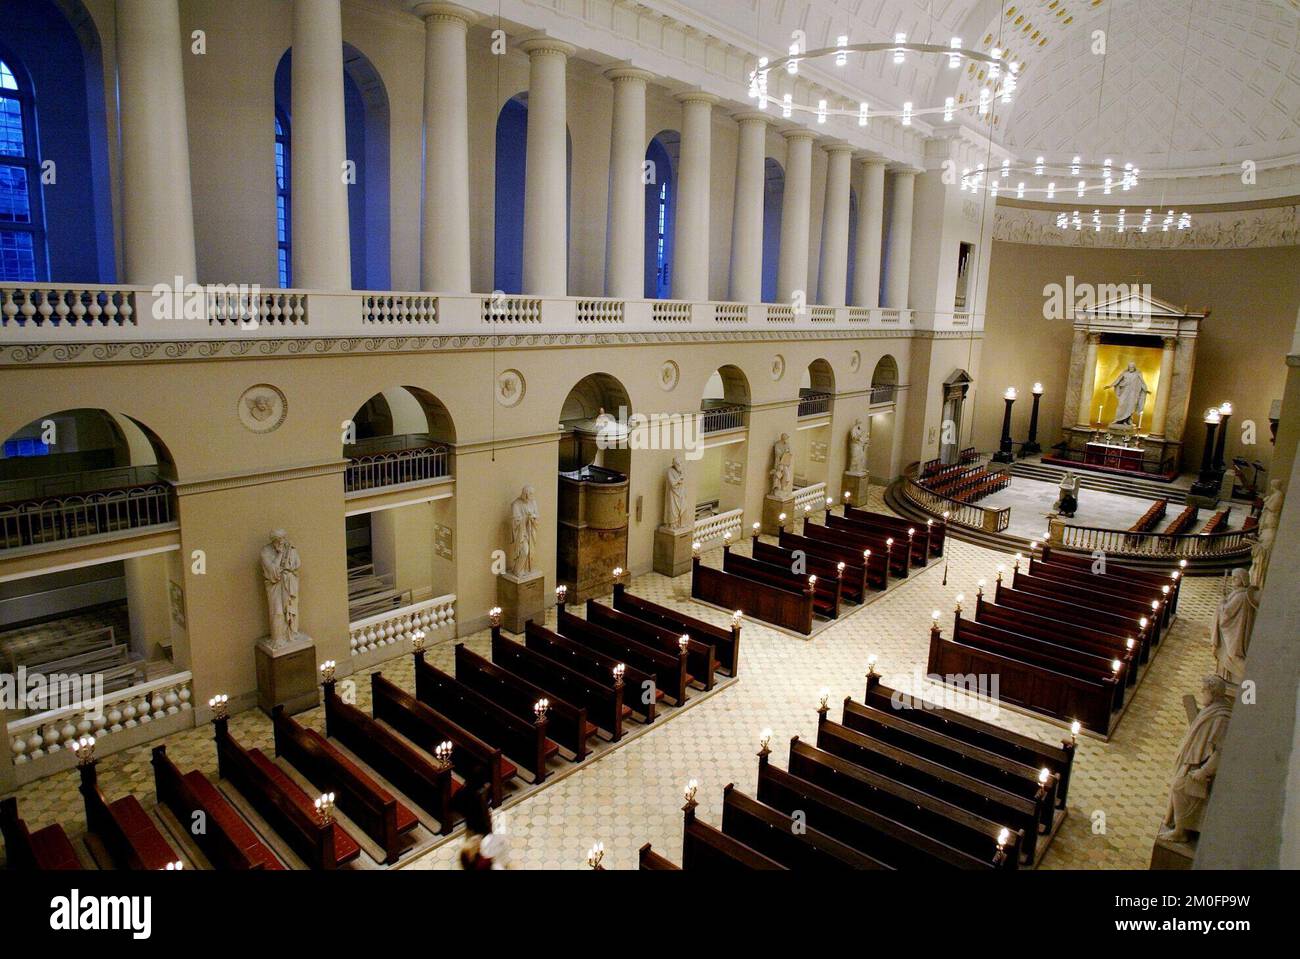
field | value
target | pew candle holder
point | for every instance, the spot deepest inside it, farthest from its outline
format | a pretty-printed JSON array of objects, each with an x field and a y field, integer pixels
[
  {"x": 764, "y": 742},
  {"x": 220, "y": 706},
  {"x": 442, "y": 753},
  {"x": 618, "y": 671},
  {"x": 325, "y": 808},
  {"x": 541, "y": 708},
  {"x": 871, "y": 666},
  {"x": 596, "y": 856},
  {"x": 1075, "y": 728},
  {"x": 327, "y": 670},
  {"x": 494, "y": 616},
  {"x": 417, "y": 641},
  {"x": 85, "y": 750},
  {"x": 692, "y": 787},
  {"x": 683, "y": 641}
]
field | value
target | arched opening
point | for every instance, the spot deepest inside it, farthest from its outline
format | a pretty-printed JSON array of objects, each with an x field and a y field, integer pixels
[
  {"x": 80, "y": 473},
  {"x": 884, "y": 380},
  {"x": 773, "y": 198},
  {"x": 853, "y": 245},
  {"x": 883, "y": 422},
  {"x": 402, "y": 435},
  {"x": 812, "y": 438},
  {"x": 817, "y": 389},
  {"x": 510, "y": 180},
  {"x": 366, "y": 121},
  {"x": 660, "y": 211},
  {"x": 595, "y": 460},
  {"x": 52, "y": 110},
  {"x": 720, "y": 471}
]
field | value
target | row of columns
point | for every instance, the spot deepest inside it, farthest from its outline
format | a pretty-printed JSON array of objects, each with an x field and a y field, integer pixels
[{"x": 158, "y": 217}]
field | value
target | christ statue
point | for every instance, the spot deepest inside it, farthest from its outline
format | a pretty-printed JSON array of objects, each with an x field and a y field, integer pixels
[{"x": 1130, "y": 396}]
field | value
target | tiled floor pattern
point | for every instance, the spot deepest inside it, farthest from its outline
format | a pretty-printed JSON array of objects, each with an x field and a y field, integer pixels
[{"x": 633, "y": 795}]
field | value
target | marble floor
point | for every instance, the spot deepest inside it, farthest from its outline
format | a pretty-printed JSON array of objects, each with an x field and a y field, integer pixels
[{"x": 632, "y": 795}]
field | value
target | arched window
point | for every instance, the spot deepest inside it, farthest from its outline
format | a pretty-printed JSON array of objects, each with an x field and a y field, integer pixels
[
  {"x": 22, "y": 237},
  {"x": 282, "y": 195},
  {"x": 661, "y": 159}
]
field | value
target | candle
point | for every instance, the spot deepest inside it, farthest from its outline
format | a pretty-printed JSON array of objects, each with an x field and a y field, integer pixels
[{"x": 1099, "y": 405}]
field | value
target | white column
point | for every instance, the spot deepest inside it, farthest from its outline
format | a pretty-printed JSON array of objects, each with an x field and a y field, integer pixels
[
  {"x": 546, "y": 190},
  {"x": 625, "y": 239},
  {"x": 1089, "y": 380},
  {"x": 833, "y": 287},
  {"x": 444, "y": 216},
  {"x": 321, "y": 249},
  {"x": 899, "y": 241},
  {"x": 157, "y": 207},
  {"x": 747, "y": 217},
  {"x": 1164, "y": 387},
  {"x": 792, "y": 266},
  {"x": 871, "y": 215},
  {"x": 691, "y": 235}
]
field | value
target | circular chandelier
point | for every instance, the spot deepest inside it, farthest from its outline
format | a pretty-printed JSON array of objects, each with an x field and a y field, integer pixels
[{"x": 1147, "y": 221}]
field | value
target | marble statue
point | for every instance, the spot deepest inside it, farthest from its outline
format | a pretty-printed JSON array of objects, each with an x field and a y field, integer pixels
[
  {"x": 1272, "y": 509},
  {"x": 523, "y": 532},
  {"x": 1067, "y": 502},
  {"x": 1130, "y": 395},
  {"x": 1230, "y": 634},
  {"x": 858, "y": 449},
  {"x": 280, "y": 565},
  {"x": 675, "y": 501},
  {"x": 782, "y": 468},
  {"x": 1198, "y": 761},
  {"x": 1260, "y": 553}
]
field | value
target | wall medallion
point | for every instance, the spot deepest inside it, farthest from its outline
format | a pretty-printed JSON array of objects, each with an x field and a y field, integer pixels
[
  {"x": 510, "y": 387},
  {"x": 855, "y": 361},
  {"x": 262, "y": 408},
  {"x": 778, "y": 366},
  {"x": 669, "y": 374}
]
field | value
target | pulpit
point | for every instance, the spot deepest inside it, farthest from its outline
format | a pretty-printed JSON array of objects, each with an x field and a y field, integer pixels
[{"x": 592, "y": 530}]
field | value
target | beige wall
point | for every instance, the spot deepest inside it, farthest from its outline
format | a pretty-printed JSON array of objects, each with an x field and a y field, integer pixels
[{"x": 1253, "y": 296}]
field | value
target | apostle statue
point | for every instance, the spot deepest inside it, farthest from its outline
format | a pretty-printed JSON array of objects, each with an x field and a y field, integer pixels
[
  {"x": 782, "y": 468},
  {"x": 1130, "y": 396},
  {"x": 857, "y": 449},
  {"x": 523, "y": 532},
  {"x": 280, "y": 565},
  {"x": 675, "y": 499},
  {"x": 1230, "y": 634},
  {"x": 1198, "y": 761},
  {"x": 1260, "y": 553},
  {"x": 1272, "y": 509}
]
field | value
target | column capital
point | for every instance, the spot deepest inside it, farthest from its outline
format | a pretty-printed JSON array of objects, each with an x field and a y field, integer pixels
[
  {"x": 1169, "y": 342},
  {"x": 695, "y": 96},
  {"x": 871, "y": 159},
  {"x": 903, "y": 169},
  {"x": 443, "y": 12},
  {"x": 798, "y": 133},
  {"x": 628, "y": 72},
  {"x": 751, "y": 116},
  {"x": 838, "y": 146},
  {"x": 542, "y": 45}
]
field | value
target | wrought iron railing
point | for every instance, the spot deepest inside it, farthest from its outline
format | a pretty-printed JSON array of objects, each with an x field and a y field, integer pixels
[
  {"x": 394, "y": 467},
  {"x": 814, "y": 402},
  {"x": 78, "y": 515},
  {"x": 714, "y": 419}
]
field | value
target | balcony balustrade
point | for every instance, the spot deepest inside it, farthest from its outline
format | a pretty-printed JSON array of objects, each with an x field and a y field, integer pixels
[
  {"x": 381, "y": 461},
  {"x": 50, "y": 509},
  {"x": 814, "y": 403},
  {"x": 716, "y": 417}
]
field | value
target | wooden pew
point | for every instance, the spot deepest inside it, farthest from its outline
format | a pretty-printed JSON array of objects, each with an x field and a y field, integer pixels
[
  {"x": 707, "y": 849},
  {"x": 826, "y": 592},
  {"x": 916, "y": 537},
  {"x": 127, "y": 832},
  {"x": 837, "y": 530},
  {"x": 934, "y": 779},
  {"x": 1105, "y": 645},
  {"x": 426, "y": 780},
  {"x": 967, "y": 729},
  {"x": 853, "y": 585},
  {"x": 525, "y": 740},
  {"x": 1154, "y": 514},
  {"x": 668, "y": 670},
  {"x": 581, "y": 674},
  {"x": 873, "y": 565},
  {"x": 282, "y": 803},
  {"x": 1108, "y": 596},
  {"x": 701, "y": 660},
  {"x": 648, "y": 859},
  {"x": 1106, "y": 584},
  {"x": 770, "y": 604},
  {"x": 567, "y": 723},
  {"x": 725, "y": 640},
  {"x": 375, "y": 810},
  {"x": 477, "y": 762},
  {"x": 47, "y": 848},
  {"x": 1029, "y": 682},
  {"x": 934, "y": 532},
  {"x": 1216, "y": 523},
  {"x": 772, "y": 833},
  {"x": 1173, "y": 579},
  {"x": 885, "y": 840},
  {"x": 955, "y": 826},
  {"x": 226, "y": 839},
  {"x": 1051, "y": 607}
]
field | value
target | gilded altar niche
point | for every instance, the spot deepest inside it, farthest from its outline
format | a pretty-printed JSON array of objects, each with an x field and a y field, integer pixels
[{"x": 1113, "y": 359}]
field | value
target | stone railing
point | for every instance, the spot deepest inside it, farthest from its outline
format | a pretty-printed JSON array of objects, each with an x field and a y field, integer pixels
[
  {"x": 990, "y": 519},
  {"x": 395, "y": 628},
  {"x": 75, "y": 307},
  {"x": 41, "y": 744},
  {"x": 710, "y": 530},
  {"x": 1117, "y": 542},
  {"x": 813, "y": 496}
]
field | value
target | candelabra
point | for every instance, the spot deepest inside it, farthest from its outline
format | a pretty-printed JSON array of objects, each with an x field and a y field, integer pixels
[
  {"x": 1207, "y": 482},
  {"x": 1031, "y": 444},
  {"x": 1004, "y": 453}
]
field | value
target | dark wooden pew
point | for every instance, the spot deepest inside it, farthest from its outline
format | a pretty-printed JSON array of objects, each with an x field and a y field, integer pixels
[
  {"x": 283, "y": 804},
  {"x": 853, "y": 585},
  {"x": 1182, "y": 522},
  {"x": 826, "y": 592},
  {"x": 668, "y": 670},
  {"x": 226, "y": 839},
  {"x": 1173, "y": 579},
  {"x": 701, "y": 660},
  {"x": 725, "y": 640},
  {"x": 836, "y": 530},
  {"x": 1050, "y": 607},
  {"x": 47, "y": 848},
  {"x": 1134, "y": 591},
  {"x": 426, "y": 780},
  {"x": 773, "y": 834},
  {"x": 916, "y": 538},
  {"x": 873, "y": 566},
  {"x": 1090, "y": 595},
  {"x": 477, "y": 762},
  {"x": 935, "y": 530},
  {"x": 648, "y": 859},
  {"x": 1154, "y": 514},
  {"x": 576, "y": 672},
  {"x": 1107, "y": 645},
  {"x": 127, "y": 832},
  {"x": 1216, "y": 523},
  {"x": 885, "y": 840},
  {"x": 770, "y": 604},
  {"x": 525, "y": 740},
  {"x": 567, "y": 724},
  {"x": 707, "y": 849},
  {"x": 943, "y": 821},
  {"x": 976, "y": 732},
  {"x": 374, "y": 809}
]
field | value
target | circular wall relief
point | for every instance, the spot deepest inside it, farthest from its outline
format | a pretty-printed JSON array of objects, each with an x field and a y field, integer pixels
[
  {"x": 669, "y": 374},
  {"x": 855, "y": 361},
  {"x": 778, "y": 366},
  {"x": 262, "y": 408},
  {"x": 510, "y": 387}
]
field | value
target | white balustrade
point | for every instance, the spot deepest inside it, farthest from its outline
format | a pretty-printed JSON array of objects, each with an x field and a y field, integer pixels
[
  {"x": 248, "y": 307},
  {"x": 814, "y": 496},
  {"x": 391, "y": 308},
  {"x": 512, "y": 309},
  {"x": 671, "y": 311},
  {"x": 710, "y": 529},
  {"x": 399, "y": 625},
  {"x": 38, "y": 307},
  {"x": 600, "y": 311}
]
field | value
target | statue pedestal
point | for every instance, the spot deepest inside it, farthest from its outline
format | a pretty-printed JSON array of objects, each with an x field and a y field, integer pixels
[
  {"x": 521, "y": 598},
  {"x": 773, "y": 507},
  {"x": 287, "y": 676},
  {"x": 856, "y": 484},
  {"x": 1172, "y": 855},
  {"x": 672, "y": 555}
]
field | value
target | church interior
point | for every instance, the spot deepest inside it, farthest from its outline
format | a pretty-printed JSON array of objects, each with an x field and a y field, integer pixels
[{"x": 660, "y": 435}]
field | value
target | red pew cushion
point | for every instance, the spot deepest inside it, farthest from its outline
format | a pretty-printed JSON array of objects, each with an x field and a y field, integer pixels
[
  {"x": 146, "y": 841},
  {"x": 53, "y": 850},
  {"x": 229, "y": 821},
  {"x": 345, "y": 847}
]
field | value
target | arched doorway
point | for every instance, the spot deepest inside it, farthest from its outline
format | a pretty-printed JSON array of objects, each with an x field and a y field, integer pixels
[
  {"x": 813, "y": 434},
  {"x": 720, "y": 472}
]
